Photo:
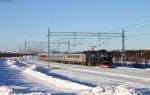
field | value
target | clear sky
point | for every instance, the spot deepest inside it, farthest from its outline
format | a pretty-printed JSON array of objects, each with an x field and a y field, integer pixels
[{"x": 29, "y": 19}]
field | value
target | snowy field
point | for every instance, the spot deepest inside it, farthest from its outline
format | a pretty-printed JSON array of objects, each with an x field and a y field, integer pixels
[{"x": 34, "y": 77}]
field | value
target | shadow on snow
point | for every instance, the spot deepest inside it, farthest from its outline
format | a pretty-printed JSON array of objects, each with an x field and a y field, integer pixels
[
  {"x": 46, "y": 71},
  {"x": 11, "y": 77}
]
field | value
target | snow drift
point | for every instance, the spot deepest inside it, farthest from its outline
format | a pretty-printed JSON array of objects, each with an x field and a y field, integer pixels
[
  {"x": 83, "y": 90},
  {"x": 64, "y": 84},
  {"x": 119, "y": 90},
  {"x": 55, "y": 81},
  {"x": 7, "y": 91},
  {"x": 10, "y": 62}
]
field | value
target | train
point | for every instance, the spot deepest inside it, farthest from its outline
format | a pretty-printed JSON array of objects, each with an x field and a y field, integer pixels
[{"x": 101, "y": 58}]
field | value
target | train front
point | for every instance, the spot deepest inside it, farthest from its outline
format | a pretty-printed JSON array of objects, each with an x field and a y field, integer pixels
[
  {"x": 105, "y": 58},
  {"x": 102, "y": 58}
]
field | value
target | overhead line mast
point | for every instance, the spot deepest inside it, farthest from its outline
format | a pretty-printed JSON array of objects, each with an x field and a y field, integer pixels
[
  {"x": 123, "y": 54},
  {"x": 48, "y": 41}
]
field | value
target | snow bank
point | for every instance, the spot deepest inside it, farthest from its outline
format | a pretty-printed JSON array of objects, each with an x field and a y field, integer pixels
[
  {"x": 83, "y": 90},
  {"x": 148, "y": 69},
  {"x": 119, "y": 90},
  {"x": 17, "y": 64},
  {"x": 64, "y": 84},
  {"x": 99, "y": 90},
  {"x": 7, "y": 91},
  {"x": 11, "y": 63}
]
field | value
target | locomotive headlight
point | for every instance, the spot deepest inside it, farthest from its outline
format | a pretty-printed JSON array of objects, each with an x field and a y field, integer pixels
[{"x": 92, "y": 55}]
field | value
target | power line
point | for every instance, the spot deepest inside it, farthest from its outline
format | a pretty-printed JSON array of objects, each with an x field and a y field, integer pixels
[
  {"x": 138, "y": 24},
  {"x": 98, "y": 35},
  {"x": 138, "y": 35},
  {"x": 129, "y": 27}
]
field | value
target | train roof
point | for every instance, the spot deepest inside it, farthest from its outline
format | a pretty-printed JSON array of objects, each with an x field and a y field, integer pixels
[{"x": 95, "y": 51}]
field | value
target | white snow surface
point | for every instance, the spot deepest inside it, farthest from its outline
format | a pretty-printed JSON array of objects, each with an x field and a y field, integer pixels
[
  {"x": 8, "y": 91},
  {"x": 58, "y": 82},
  {"x": 119, "y": 90},
  {"x": 66, "y": 84}
]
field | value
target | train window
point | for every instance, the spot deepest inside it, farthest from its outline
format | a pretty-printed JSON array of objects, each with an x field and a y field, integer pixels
[{"x": 73, "y": 56}]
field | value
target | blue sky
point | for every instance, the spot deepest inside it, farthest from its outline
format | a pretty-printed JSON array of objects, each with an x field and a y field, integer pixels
[{"x": 28, "y": 20}]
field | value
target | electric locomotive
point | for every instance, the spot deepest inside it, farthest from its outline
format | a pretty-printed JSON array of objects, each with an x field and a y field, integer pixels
[{"x": 101, "y": 58}]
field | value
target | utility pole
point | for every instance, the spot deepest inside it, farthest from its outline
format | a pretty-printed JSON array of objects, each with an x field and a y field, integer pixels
[
  {"x": 20, "y": 49},
  {"x": 99, "y": 44},
  {"x": 25, "y": 44},
  {"x": 48, "y": 45},
  {"x": 53, "y": 50},
  {"x": 40, "y": 47},
  {"x": 123, "y": 55},
  {"x": 68, "y": 46},
  {"x": 74, "y": 38},
  {"x": 58, "y": 46}
]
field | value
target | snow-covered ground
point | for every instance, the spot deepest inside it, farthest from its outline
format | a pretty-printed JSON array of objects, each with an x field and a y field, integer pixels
[
  {"x": 7, "y": 91},
  {"x": 14, "y": 77},
  {"x": 32, "y": 76}
]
